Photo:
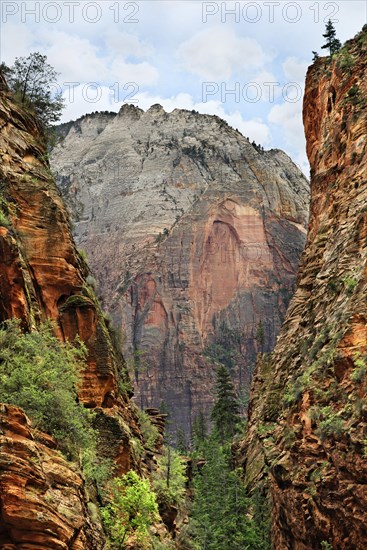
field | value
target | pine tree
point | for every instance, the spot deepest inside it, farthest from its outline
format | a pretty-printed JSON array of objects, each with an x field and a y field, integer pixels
[
  {"x": 332, "y": 43},
  {"x": 199, "y": 431},
  {"x": 226, "y": 411},
  {"x": 181, "y": 441},
  {"x": 222, "y": 513}
]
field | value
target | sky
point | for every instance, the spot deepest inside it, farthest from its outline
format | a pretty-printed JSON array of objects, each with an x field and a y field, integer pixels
[{"x": 243, "y": 61}]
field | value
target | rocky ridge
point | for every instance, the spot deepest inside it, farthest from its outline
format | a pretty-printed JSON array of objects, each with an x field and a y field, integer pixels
[
  {"x": 305, "y": 442},
  {"x": 194, "y": 236},
  {"x": 43, "y": 501}
]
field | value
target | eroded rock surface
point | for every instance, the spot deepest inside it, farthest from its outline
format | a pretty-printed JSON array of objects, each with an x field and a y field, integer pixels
[
  {"x": 43, "y": 503},
  {"x": 190, "y": 231},
  {"x": 307, "y": 432},
  {"x": 42, "y": 277}
]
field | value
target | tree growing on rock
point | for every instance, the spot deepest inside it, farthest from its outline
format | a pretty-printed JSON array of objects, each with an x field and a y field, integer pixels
[
  {"x": 34, "y": 85},
  {"x": 333, "y": 44}
]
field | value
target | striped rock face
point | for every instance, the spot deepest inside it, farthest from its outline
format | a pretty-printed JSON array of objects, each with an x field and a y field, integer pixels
[
  {"x": 306, "y": 439},
  {"x": 194, "y": 236}
]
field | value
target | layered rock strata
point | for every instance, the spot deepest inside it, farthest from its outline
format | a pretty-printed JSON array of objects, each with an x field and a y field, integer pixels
[
  {"x": 42, "y": 277},
  {"x": 306, "y": 440},
  {"x": 194, "y": 236}
]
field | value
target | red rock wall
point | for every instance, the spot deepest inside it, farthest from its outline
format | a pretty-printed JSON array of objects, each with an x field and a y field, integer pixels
[
  {"x": 187, "y": 226},
  {"x": 308, "y": 414},
  {"x": 43, "y": 503},
  {"x": 43, "y": 277}
]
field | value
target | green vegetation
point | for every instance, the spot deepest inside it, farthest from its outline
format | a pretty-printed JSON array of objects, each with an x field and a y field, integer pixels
[
  {"x": 4, "y": 220},
  {"x": 40, "y": 374},
  {"x": 260, "y": 335},
  {"x": 333, "y": 44},
  {"x": 226, "y": 411},
  {"x": 350, "y": 283},
  {"x": 329, "y": 423},
  {"x": 169, "y": 481},
  {"x": 132, "y": 510},
  {"x": 225, "y": 347},
  {"x": 199, "y": 430},
  {"x": 83, "y": 254},
  {"x": 360, "y": 369},
  {"x": 149, "y": 431},
  {"x": 324, "y": 348},
  {"x": 32, "y": 80},
  {"x": 223, "y": 515},
  {"x": 181, "y": 441},
  {"x": 195, "y": 152},
  {"x": 5, "y": 210},
  {"x": 345, "y": 60}
]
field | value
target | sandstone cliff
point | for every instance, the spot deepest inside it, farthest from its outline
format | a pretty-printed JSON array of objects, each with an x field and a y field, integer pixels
[
  {"x": 307, "y": 432},
  {"x": 42, "y": 500},
  {"x": 194, "y": 236}
]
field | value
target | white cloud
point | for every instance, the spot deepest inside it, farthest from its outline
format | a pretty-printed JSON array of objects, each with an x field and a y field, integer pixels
[
  {"x": 16, "y": 41},
  {"x": 288, "y": 116},
  {"x": 80, "y": 100},
  {"x": 143, "y": 74},
  {"x": 74, "y": 57},
  {"x": 126, "y": 44},
  {"x": 78, "y": 60},
  {"x": 294, "y": 69},
  {"x": 217, "y": 53}
]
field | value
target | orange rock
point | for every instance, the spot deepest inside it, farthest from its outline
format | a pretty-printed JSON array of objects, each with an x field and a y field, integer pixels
[
  {"x": 311, "y": 392},
  {"x": 43, "y": 503}
]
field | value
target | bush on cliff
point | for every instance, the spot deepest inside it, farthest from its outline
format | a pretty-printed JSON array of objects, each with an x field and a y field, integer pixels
[
  {"x": 132, "y": 509},
  {"x": 40, "y": 374}
]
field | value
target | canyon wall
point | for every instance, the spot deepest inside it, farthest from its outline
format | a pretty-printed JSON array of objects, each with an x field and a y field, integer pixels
[
  {"x": 306, "y": 440},
  {"x": 194, "y": 236},
  {"x": 43, "y": 503}
]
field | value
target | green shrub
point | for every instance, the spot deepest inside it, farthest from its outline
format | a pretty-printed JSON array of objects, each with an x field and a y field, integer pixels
[
  {"x": 91, "y": 281},
  {"x": 133, "y": 508},
  {"x": 83, "y": 254},
  {"x": 350, "y": 284},
  {"x": 360, "y": 369},
  {"x": 169, "y": 481},
  {"x": 40, "y": 374},
  {"x": 149, "y": 431},
  {"x": 329, "y": 423},
  {"x": 4, "y": 220},
  {"x": 6, "y": 208},
  {"x": 136, "y": 448}
]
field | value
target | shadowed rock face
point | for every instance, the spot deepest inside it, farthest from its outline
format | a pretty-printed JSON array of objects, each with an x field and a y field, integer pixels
[
  {"x": 306, "y": 439},
  {"x": 189, "y": 230},
  {"x": 43, "y": 277}
]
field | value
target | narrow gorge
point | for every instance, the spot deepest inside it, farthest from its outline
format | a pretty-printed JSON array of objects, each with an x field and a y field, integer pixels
[
  {"x": 44, "y": 500},
  {"x": 194, "y": 236},
  {"x": 183, "y": 326}
]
